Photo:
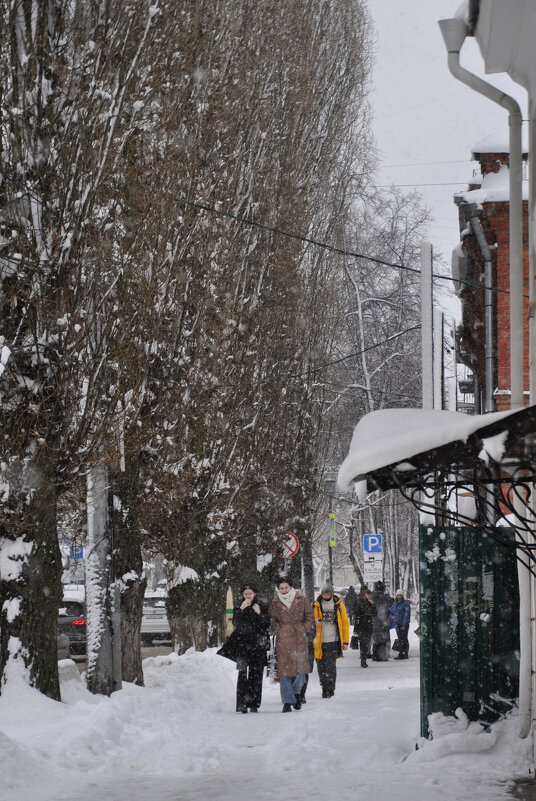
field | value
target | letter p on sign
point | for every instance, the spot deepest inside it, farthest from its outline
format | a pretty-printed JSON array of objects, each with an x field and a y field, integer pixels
[{"x": 372, "y": 543}]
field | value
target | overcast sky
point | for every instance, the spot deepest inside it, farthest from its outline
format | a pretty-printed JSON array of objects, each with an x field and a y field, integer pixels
[{"x": 425, "y": 121}]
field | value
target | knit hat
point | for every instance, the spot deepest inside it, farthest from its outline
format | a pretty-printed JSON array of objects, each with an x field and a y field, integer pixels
[
  {"x": 248, "y": 587},
  {"x": 328, "y": 588},
  {"x": 399, "y": 592}
]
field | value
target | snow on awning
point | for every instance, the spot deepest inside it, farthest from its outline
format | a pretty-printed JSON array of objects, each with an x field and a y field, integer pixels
[{"x": 408, "y": 441}]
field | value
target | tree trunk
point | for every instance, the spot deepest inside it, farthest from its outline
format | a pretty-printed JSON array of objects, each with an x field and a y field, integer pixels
[
  {"x": 308, "y": 568},
  {"x": 30, "y": 586},
  {"x": 100, "y": 677},
  {"x": 128, "y": 564}
]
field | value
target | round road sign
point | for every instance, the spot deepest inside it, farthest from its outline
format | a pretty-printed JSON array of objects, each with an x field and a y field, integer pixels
[{"x": 290, "y": 545}]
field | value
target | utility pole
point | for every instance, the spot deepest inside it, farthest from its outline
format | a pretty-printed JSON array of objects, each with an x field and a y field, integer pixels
[
  {"x": 427, "y": 327},
  {"x": 329, "y": 488}
]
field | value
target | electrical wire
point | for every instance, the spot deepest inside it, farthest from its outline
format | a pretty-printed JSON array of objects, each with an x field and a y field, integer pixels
[
  {"x": 332, "y": 248},
  {"x": 284, "y": 376},
  {"x": 300, "y": 238}
]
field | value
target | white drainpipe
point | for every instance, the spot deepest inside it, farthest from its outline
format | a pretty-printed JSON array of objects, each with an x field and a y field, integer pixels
[{"x": 454, "y": 33}]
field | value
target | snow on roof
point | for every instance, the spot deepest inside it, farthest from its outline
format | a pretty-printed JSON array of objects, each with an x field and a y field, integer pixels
[
  {"x": 390, "y": 436},
  {"x": 498, "y": 142},
  {"x": 71, "y": 594},
  {"x": 462, "y": 12},
  {"x": 495, "y": 188}
]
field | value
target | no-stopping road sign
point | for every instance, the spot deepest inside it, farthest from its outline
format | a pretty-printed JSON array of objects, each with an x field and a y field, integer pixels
[{"x": 290, "y": 545}]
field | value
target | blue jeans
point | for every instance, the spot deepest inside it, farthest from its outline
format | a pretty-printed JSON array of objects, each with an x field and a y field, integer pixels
[{"x": 290, "y": 687}]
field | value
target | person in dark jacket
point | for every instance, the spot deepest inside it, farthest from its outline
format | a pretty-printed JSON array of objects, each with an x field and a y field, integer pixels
[
  {"x": 381, "y": 629},
  {"x": 248, "y": 646},
  {"x": 401, "y": 611},
  {"x": 365, "y": 613},
  {"x": 350, "y": 602}
]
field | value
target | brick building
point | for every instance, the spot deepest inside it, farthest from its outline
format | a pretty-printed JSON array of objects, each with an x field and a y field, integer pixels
[{"x": 486, "y": 202}]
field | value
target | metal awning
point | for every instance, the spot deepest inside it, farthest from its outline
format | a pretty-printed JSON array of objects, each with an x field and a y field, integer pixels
[
  {"x": 483, "y": 475},
  {"x": 464, "y": 453}
]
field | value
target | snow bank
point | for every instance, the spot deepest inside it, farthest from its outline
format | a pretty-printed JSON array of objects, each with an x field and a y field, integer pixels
[{"x": 179, "y": 736}]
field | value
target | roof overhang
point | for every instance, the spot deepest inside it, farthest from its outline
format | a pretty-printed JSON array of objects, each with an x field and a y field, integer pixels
[
  {"x": 505, "y": 34},
  {"x": 386, "y": 454}
]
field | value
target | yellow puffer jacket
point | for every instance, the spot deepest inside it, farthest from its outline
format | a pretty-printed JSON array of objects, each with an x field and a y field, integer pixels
[{"x": 342, "y": 622}]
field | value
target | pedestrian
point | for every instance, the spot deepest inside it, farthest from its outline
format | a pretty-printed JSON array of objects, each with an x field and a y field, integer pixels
[
  {"x": 364, "y": 623},
  {"x": 331, "y": 638},
  {"x": 401, "y": 611},
  {"x": 248, "y": 646},
  {"x": 292, "y": 617},
  {"x": 381, "y": 628},
  {"x": 350, "y": 602}
]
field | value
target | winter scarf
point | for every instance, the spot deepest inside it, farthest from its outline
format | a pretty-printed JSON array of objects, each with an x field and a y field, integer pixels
[{"x": 288, "y": 598}]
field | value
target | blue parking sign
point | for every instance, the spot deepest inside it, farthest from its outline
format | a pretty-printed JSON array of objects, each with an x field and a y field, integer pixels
[
  {"x": 372, "y": 543},
  {"x": 76, "y": 551}
]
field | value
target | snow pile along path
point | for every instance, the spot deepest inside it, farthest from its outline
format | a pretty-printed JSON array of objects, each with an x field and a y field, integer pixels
[{"x": 179, "y": 738}]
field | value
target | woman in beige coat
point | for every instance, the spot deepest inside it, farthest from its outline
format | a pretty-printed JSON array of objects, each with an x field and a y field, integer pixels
[{"x": 292, "y": 617}]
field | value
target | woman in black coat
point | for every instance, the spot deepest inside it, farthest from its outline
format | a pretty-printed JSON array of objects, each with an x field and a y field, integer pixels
[
  {"x": 364, "y": 617},
  {"x": 248, "y": 646}
]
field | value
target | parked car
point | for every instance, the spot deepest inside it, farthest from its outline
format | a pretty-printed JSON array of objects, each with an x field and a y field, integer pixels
[
  {"x": 154, "y": 622},
  {"x": 72, "y": 620}
]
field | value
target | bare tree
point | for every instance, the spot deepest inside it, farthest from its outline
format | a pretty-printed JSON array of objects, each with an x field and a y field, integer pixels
[{"x": 378, "y": 349}]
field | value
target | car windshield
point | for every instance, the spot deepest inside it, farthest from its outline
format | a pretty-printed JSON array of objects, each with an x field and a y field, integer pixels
[{"x": 71, "y": 608}]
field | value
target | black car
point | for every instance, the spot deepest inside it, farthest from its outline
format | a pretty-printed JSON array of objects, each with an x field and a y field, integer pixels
[{"x": 72, "y": 622}]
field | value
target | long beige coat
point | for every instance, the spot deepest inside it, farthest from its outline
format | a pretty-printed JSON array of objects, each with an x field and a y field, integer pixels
[{"x": 290, "y": 627}]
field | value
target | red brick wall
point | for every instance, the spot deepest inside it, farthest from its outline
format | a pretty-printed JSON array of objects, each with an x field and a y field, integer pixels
[
  {"x": 497, "y": 215},
  {"x": 495, "y": 223}
]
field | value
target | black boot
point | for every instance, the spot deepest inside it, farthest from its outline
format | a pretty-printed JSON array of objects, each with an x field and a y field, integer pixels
[
  {"x": 287, "y": 708},
  {"x": 364, "y": 663}
]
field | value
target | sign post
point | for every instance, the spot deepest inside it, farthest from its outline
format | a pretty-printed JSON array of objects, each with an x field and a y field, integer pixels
[{"x": 372, "y": 558}]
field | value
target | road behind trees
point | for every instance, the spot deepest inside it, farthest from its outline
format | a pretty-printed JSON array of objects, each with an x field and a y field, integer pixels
[{"x": 146, "y": 651}]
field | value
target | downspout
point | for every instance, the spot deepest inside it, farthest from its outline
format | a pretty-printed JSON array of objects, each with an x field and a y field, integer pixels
[
  {"x": 454, "y": 32},
  {"x": 476, "y": 225}
]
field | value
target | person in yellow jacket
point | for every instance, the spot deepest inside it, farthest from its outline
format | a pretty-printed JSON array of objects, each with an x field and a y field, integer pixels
[{"x": 332, "y": 637}]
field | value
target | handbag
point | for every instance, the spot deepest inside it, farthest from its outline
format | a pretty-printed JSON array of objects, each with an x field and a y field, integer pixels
[
  {"x": 396, "y": 645},
  {"x": 354, "y": 642}
]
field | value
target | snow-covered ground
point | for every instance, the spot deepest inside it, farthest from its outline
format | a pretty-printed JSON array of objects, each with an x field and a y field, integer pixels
[{"x": 179, "y": 739}]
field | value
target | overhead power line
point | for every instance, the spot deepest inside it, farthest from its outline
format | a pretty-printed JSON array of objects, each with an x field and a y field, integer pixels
[
  {"x": 330, "y": 248},
  {"x": 300, "y": 238},
  {"x": 286, "y": 376}
]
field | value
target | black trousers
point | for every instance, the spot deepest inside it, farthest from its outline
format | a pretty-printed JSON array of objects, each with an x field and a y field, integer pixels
[
  {"x": 403, "y": 643},
  {"x": 249, "y": 686},
  {"x": 327, "y": 666},
  {"x": 364, "y": 643}
]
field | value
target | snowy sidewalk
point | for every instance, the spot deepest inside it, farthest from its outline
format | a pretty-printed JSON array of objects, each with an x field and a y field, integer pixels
[{"x": 179, "y": 739}]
